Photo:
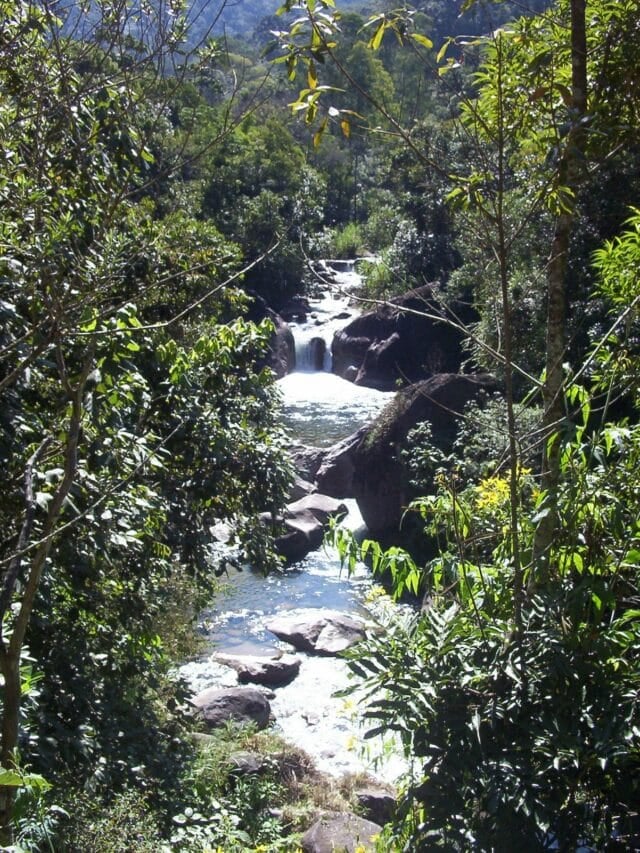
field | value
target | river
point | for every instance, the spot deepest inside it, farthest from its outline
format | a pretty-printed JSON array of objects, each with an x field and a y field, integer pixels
[{"x": 319, "y": 409}]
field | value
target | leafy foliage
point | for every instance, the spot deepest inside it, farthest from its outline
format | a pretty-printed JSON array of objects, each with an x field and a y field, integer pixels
[{"x": 134, "y": 415}]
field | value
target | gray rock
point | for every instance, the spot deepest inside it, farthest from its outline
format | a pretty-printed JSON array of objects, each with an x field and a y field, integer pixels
[
  {"x": 325, "y": 632},
  {"x": 322, "y": 507},
  {"x": 269, "y": 671},
  {"x": 281, "y": 357},
  {"x": 247, "y": 764},
  {"x": 317, "y": 352},
  {"x": 300, "y": 489},
  {"x": 335, "y": 475},
  {"x": 216, "y": 706},
  {"x": 296, "y": 309},
  {"x": 377, "y": 804},
  {"x": 398, "y": 343},
  {"x": 306, "y": 460},
  {"x": 381, "y": 479},
  {"x": 341, "y": 832},
  {"x": 304, "y": 522}
]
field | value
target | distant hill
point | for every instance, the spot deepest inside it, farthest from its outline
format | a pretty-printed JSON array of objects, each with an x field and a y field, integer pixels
[{"x": 254, "y": 18}]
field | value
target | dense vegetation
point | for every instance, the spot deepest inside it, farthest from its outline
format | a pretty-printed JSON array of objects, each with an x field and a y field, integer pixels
[{"x": 153, "y": 181}]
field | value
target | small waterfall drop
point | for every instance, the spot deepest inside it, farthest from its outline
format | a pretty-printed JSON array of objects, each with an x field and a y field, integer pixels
[
  {"x": 320, "y": 407},
  {"x": 329, "y": 312}
]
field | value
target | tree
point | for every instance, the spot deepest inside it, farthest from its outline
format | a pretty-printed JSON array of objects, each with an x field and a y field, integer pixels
[{"x": 107, "y": 490}]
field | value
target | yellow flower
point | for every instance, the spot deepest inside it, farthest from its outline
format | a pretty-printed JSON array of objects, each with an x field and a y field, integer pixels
[{"x": 492, "y": 493}]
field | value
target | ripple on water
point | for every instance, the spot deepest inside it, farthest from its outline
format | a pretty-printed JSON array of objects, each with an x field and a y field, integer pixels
[{"x": 322, "y": 409}]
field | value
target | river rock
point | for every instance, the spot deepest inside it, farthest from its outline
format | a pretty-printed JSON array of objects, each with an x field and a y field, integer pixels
[
  {"x": 325, "y": 632},
  {"x": 281, "y": 355},
  {"x": 296, "y": 309},
  {"x": 300, "y": 489},
  {"x": 305, "y": 522},
  {"x": 396, "y": 344},
  {"x": 306, "y": 460},
  {"x": 216, "y": 706},
  {"x": 335, "y": 475},
  {"x": 377, "y": 804},
  {"x": 317, "y": 352},
  {"x": 381, "y": 481},
  {"x": 342, "y": 832},
  {"x": 269, "y": 671}
]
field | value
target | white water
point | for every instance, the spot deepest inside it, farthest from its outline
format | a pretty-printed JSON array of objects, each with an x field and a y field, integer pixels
[
  {"x": 320, "y": 409},
  {"x": 329, "y": 313}
]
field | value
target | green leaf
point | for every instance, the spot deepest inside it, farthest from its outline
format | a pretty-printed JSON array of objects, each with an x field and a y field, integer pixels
[
  {"x": 11, "y": 778},
  {"x": 317, "y": 137},
  {"x": 312, "y": 77},
  {"x": 423, "y": 40},
  {"x": 443, "y": 50},
  {"x": 376, "y": 40}
]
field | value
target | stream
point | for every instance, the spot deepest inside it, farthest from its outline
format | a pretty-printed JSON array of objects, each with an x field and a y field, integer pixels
[{"x": 320, "y": 409}]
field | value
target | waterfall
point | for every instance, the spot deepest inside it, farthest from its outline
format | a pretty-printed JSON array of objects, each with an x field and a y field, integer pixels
[
  {"x": 313, "y": 352},
  {"x": 320, "y": 409},
  {"x": 330, "y": 312}
]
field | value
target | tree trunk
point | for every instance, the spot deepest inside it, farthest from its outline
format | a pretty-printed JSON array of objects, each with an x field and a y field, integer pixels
[
  {"x": 10, "y": 668},
  {"x": 570, "y": 174}
]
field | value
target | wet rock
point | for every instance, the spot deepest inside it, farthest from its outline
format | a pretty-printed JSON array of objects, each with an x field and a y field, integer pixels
[
  {"x": 216, "y": 706},
  {"x": 268, "y": 671},
  {"x": 306, "y": 460},
  {"x": 281, "y": 356},
  {"x": 381, "y": 480},
  {"x": 397, "y": 344},
  {"x": 350, "y": 373},
  {"x": 335, "y": 475},
  {"x": 325, "y": 632},
  {"x": 296, "y": 309},
  {"x": 317, "y": 352},
  {"x": 305, "y": 522},
  {"x": 342, "y": 832},
  {"x": 303, "y": 534},
  {"x": 300, "y": 489},
  {"x": 377, "y": 804},
  {"x": 322, "y": 506}
]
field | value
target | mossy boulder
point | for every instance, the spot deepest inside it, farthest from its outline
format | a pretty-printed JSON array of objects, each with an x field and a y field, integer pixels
[{"x": 381, "y": 481}]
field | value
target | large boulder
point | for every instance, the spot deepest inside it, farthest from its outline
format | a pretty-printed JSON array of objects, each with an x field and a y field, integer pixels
[
  {"x": 300, "y": 489},
  {"x": 400, "y": 342},
  {"x": 376, "y": 804},
  {"x": 304, "y": 523},
  {"x": 281, "y": 356},
  {"x": 335, "y": 475},
  {"x": 273, "y": 671},
  {"x": 217, "y": 706},
  {"x": 295, "y": 310},
  {"x": 381, "y": 482},
  {"x": 342, "y": 832},
  {"x": 320, "y": 631},
  {"x": 306, "y": 460}
]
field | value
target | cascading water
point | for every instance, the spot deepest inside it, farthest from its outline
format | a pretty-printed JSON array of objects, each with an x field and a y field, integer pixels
[
  {"x": 329, "y": 313},
  {"x": 320, "y": 409}
]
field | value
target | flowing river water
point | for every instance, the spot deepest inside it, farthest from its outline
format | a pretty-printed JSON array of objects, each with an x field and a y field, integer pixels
[{"x": 320, "y": 409}]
